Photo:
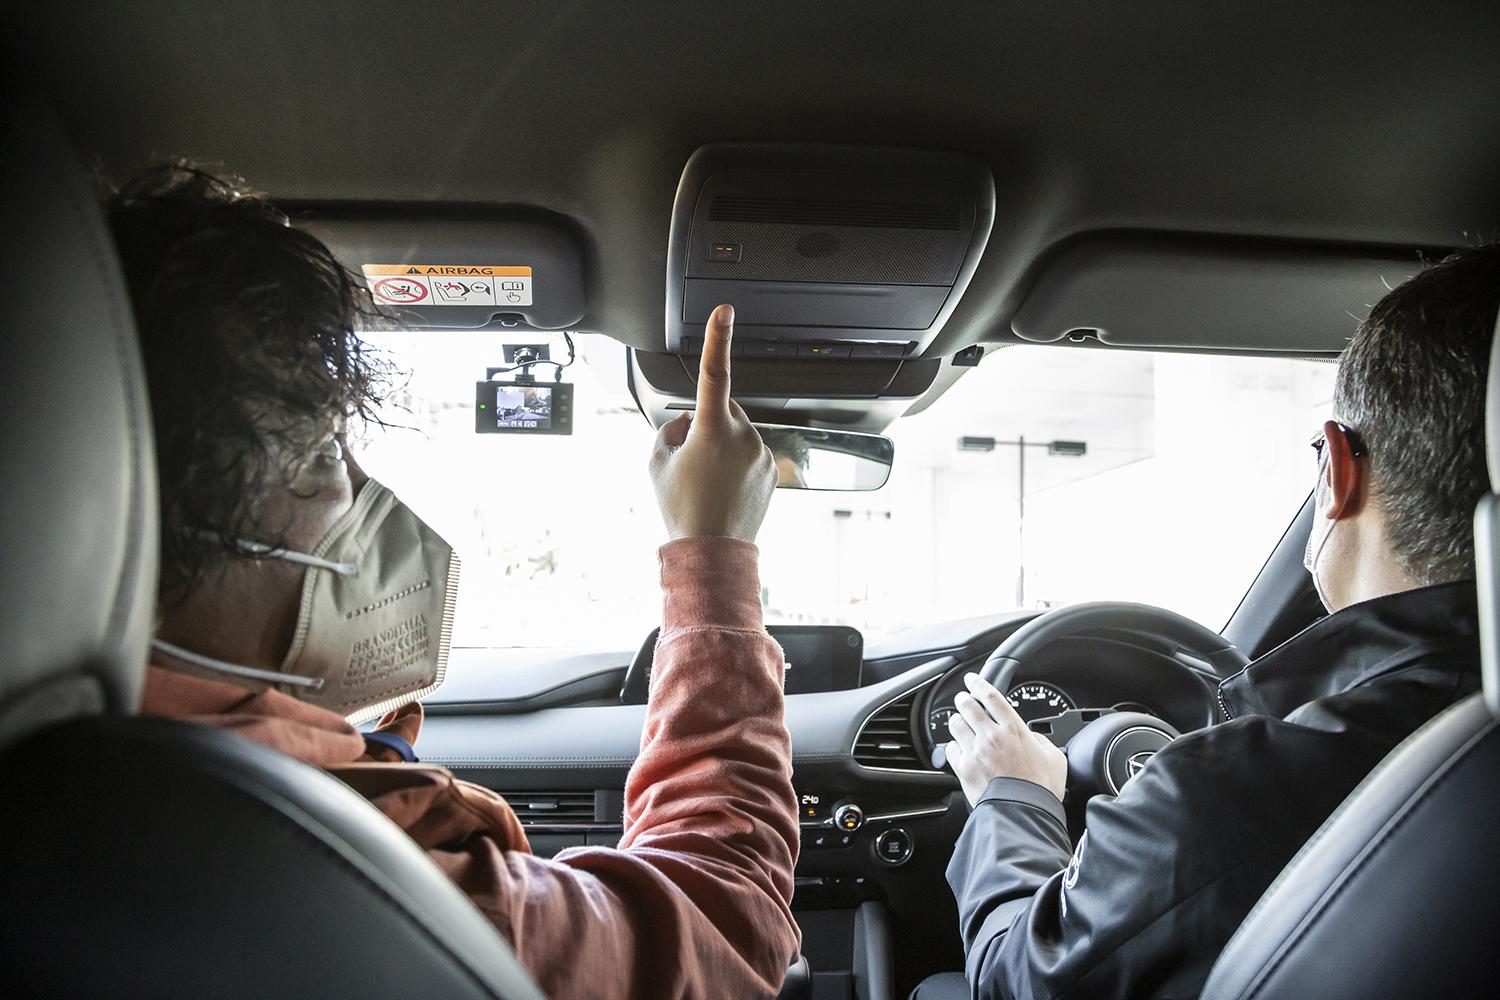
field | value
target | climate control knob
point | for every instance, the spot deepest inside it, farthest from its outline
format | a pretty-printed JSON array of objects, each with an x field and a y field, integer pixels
[{"x": 848, "y": 817}]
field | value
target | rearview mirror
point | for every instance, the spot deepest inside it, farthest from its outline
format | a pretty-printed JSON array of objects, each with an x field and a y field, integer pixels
[{"x": 812, "y": 459}]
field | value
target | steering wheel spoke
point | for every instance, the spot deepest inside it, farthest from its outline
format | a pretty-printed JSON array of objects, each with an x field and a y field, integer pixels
[{"x": 1061, "y": 729}]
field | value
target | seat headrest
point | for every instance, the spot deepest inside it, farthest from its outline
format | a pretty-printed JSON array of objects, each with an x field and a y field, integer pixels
[
  {"x": 78, "y": 527},
  {"x": 1487, "y": 537},
  {"x": 1492, "y": 412}
]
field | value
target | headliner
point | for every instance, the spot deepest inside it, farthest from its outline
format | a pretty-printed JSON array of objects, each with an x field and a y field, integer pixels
[{"x": 1288, "y": 121}]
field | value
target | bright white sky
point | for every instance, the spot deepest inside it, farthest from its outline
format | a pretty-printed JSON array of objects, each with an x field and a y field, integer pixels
[{"x": 1195, "y": 467}]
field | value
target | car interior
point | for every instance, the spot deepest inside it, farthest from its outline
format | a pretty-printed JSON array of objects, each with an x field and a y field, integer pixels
[{"x": 896, "y": 199}]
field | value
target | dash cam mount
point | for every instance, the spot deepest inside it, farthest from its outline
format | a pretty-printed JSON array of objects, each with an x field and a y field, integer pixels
[{"x": 521, "y": 404}]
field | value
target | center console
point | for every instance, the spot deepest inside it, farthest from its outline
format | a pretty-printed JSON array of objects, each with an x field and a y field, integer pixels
[
  {"x": 847, "y": 955},
  {"x": 870, "y": 889}
]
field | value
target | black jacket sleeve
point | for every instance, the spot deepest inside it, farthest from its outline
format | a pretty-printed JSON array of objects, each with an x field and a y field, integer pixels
[
  {"x": 1014, "y": 843},
  {"x": 1155, "y": 888}
]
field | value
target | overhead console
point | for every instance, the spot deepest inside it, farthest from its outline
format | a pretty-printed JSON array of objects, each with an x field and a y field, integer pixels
[
  {"x": 839, "y": 253},
  {"x": 480, "y": 270},
  {"x": 835, "y": 394}
]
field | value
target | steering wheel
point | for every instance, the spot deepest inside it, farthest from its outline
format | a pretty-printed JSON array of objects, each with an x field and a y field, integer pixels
[{"x": 1106, "y": 748}]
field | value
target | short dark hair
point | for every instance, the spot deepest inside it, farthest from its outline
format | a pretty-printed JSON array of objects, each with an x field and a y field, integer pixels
[
  {"x": 247, "y": 326},
  {"x": 1412, "y": 383}
]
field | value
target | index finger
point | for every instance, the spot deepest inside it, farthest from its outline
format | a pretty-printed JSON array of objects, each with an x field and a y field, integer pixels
[{"x": 713, "y": 369}]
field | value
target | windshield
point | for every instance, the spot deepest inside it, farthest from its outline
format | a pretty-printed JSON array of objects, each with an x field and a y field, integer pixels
[{"x": 1192, "y": 468}]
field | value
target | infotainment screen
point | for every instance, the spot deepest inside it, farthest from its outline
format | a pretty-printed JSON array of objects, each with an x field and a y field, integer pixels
[{"x": 818, "y": 658}]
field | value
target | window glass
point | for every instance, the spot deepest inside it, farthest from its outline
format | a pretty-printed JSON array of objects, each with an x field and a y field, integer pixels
[{"x": 1192, "y": 468}]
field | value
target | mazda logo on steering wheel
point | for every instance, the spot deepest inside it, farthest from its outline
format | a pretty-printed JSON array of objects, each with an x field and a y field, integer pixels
[{"x": 1136, "y": 761}]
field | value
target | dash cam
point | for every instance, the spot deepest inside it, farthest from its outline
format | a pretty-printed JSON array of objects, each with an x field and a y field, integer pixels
[{"x": 523, "y": 407}]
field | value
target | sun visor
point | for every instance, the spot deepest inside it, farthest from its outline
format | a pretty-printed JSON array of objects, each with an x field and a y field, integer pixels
[
  {"x": 1148, "y": 291},
  {"x": 824, "y": 251},
  {"x": 461, "y": 273}
]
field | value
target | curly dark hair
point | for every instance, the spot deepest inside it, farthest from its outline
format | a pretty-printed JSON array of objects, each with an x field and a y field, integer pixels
[
  {"x": 247, "y": 325},
  {"x": 1412, "y": 383}
]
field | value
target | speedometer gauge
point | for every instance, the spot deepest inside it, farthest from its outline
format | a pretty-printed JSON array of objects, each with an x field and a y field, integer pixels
[
  {"x": 937, "y": 723},
  {"x": 1038, "y": 700}
]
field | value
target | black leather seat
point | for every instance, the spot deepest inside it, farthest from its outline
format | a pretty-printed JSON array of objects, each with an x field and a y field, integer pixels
[
  {"x": 1398, "y": 894},
  {"x": 144, "y": 858}
]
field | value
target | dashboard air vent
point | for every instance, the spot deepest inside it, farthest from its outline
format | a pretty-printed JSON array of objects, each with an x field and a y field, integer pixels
[
  {"x": 885, "y": 740},
  {"x": 548, "y": 808}
]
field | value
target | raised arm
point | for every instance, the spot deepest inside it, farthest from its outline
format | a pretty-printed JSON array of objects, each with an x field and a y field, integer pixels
[{"x": 696, "y": 900}]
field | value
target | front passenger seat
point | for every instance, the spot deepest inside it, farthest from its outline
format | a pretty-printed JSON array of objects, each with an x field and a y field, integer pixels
[
  {"x": 1398, "y": 894},
  {"x": 143, "y": 857}
]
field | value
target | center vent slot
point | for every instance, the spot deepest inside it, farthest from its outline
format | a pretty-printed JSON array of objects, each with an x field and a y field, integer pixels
[
  {"x": 885, "y": 739},
  {"x": 819, "y": 212},
  {"x": 552, "y": 808}
]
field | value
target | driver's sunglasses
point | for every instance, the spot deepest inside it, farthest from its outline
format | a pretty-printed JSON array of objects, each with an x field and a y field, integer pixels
[{"x": 1356, "y": 446}]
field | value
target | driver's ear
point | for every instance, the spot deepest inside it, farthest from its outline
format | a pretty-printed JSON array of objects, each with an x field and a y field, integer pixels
[{"x": 1344, "y": 473}]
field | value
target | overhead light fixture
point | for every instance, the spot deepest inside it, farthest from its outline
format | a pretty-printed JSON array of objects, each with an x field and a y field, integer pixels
[{"x": 1068, "y": 449}]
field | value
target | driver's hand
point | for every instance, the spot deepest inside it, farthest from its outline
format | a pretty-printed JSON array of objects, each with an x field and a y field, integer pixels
[
  {"x": 990, "y": 741},
  {"x": 712, "y": 473}
]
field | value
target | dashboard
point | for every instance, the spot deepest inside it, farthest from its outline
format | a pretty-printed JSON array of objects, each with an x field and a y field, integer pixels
[
  {"x": 1031, "y": 700},
  {"x": 879, "y": 822},
  {"x": 817, "y": 658}
]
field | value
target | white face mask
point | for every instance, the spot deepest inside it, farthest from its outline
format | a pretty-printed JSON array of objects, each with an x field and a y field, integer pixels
[
  {"x": 1322, "y": 530},
  {"x": 376, "y": 617}
]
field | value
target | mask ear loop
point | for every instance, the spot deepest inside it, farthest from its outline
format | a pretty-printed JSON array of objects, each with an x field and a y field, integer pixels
[
  {"x": 317, "y": 562},
  {"x": 235, "y": 669},
  {"x": 1317, "y": 551},
  {"x": 265, "y": 551},
  {"x": 254, "y": 673}
]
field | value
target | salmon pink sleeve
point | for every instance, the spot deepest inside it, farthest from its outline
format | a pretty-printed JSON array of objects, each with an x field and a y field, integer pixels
[{"x": 696, "y": 900}]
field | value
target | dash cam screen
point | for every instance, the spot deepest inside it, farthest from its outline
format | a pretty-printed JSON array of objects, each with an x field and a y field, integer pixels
[{"x": 523, "y": 407}]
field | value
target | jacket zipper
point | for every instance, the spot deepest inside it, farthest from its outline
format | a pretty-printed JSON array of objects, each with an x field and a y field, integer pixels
[{"x": 1223, "y": 706}]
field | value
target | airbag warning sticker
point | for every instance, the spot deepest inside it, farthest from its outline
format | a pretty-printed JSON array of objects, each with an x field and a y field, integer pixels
[{"x": 449, "y": 284}]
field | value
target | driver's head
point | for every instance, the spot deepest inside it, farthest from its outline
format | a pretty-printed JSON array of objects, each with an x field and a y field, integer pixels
[
  {"x": 247, "y": 329},
  {"x": 1401, "y": 466}
]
